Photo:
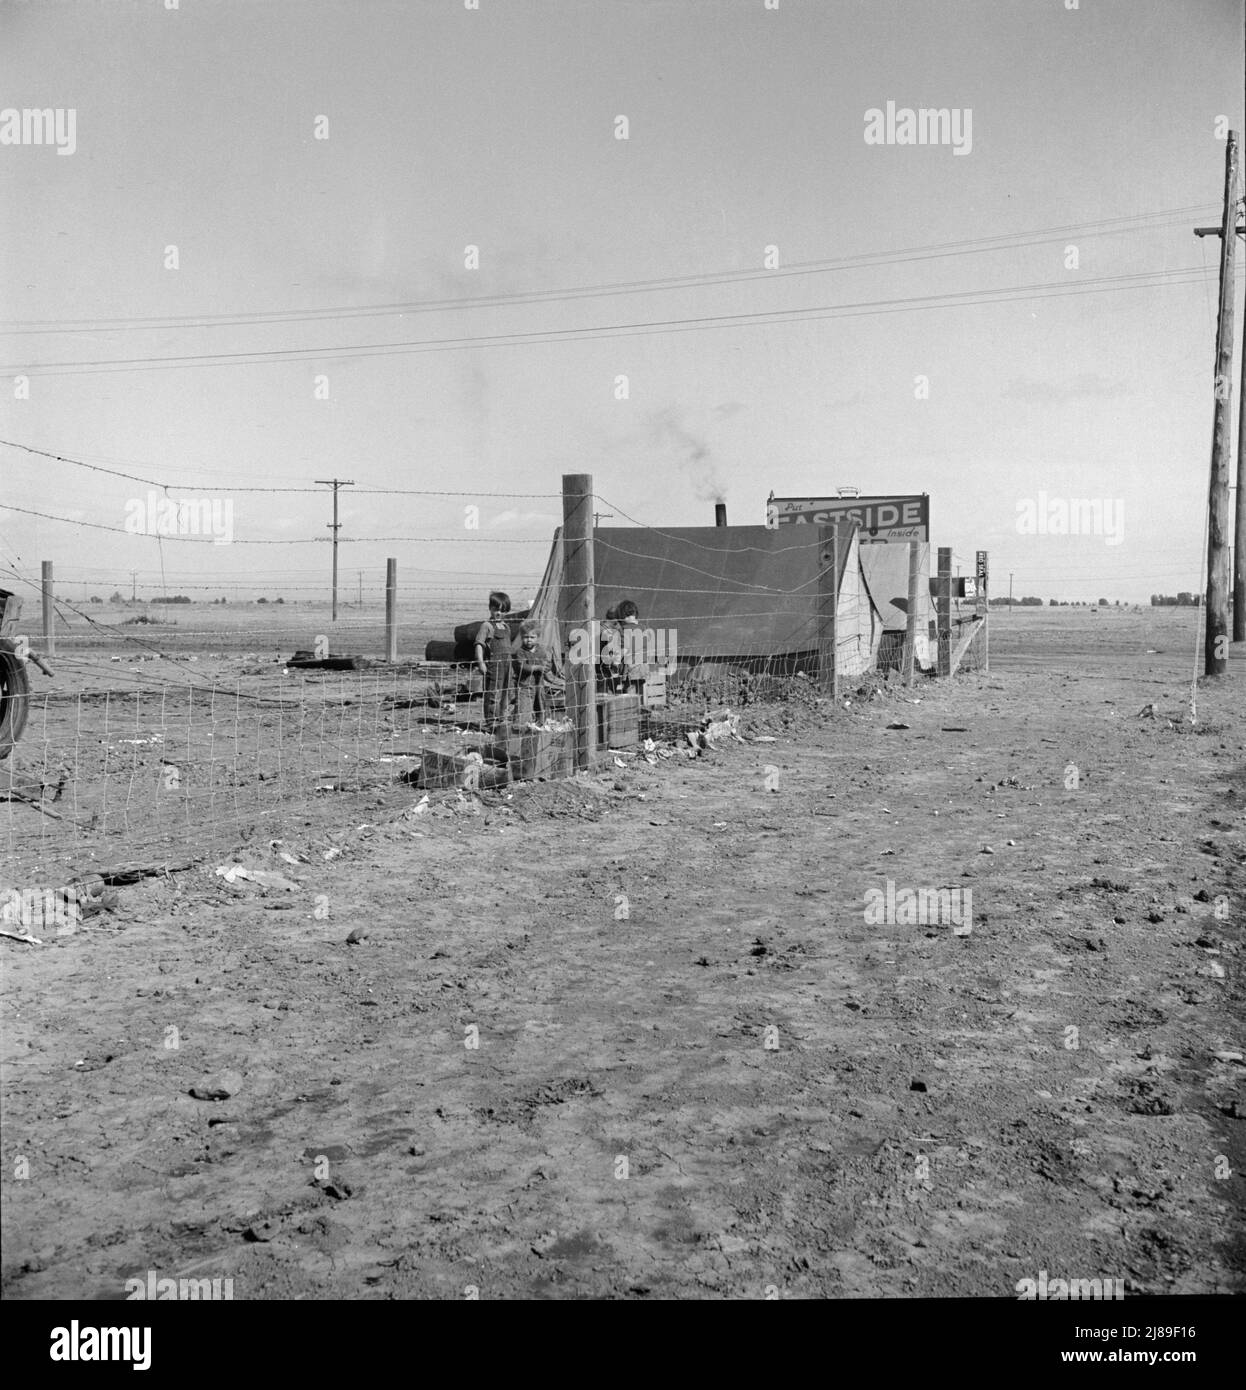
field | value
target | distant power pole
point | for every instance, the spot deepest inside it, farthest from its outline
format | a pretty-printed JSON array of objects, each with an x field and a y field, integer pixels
[
  {"x": 335, "y": 526},
  {"x": 361, "y": 589},
  {"x": 1216, "y": 630},
  {"x": 133, "y": 586},
  {"x": 1009, "y": 588}
]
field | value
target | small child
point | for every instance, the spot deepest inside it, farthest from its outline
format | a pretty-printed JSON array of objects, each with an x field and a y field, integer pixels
[
  {"x": 618, "y": 634},
  {"x": 493, "y": 660},
  {"x": 532, "y": 664}
]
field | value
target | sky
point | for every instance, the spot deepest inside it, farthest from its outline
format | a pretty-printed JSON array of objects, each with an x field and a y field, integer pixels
[{"x": 1018, "y": 320}]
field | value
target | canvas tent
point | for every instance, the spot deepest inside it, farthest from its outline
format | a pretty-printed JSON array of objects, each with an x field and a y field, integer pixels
[
  {"x": 737, "y": 594},
  {"x": 885, "y": 569}
]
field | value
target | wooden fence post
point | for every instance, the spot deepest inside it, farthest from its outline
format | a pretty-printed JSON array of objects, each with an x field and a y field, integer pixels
[
  {"x": 49, "y": 613},
  {"x": 828, "y": 605},
  {"x": 910, "y": 626},
  {"x": 983, "y": 606},
  {"x": 577, "y": 605},
  {"x": 943, "y": 610},
  {"x": 391, "y": 610}
]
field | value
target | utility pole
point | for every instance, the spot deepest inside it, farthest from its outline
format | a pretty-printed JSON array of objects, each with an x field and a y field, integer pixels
[
  {"x": 133, "y": 586},
  {"x": 1216, "y": 631},
  {"x": 1009, "y": 588},
  {"x": 1239, "y": 528},
  {"x": 597, "y": 516},
  {"x": 335, "y": 526},
  {"x": 361, "y": 591}
]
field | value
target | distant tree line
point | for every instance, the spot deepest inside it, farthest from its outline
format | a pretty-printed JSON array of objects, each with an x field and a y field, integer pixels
[
  {"x": 1184, "y": 599},
  {"x": 1031, "y": 602},
  {"x": 118, "y": 599}
]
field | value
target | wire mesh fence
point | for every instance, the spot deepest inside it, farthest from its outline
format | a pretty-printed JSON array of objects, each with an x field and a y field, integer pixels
[
  {"x": 166, "y": 767},
  {"x": 209, "y": 727}
]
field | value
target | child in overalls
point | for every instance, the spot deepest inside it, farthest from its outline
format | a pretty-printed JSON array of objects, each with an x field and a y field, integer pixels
[
  {"x": 531, "y": 665},
  {"x": 494, "y": 660}
]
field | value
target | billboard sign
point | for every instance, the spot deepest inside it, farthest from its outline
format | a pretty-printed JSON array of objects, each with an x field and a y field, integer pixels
[{"x": 883, "y": 520}]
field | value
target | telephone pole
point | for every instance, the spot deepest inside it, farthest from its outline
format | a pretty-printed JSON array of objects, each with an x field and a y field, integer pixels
[
  {"x": 1239, "y": 528},
  {"x": 1216, "y": 631},
  {"x": 335, "y": 527}
]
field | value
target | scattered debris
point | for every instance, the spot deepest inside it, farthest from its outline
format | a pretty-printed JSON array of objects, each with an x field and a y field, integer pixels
[
  {"x": 219, "y": 1086},
  {"x": 265, "y": 878},
  {"x": 715, "y": 729},
  {"x": 309, "y": 661},
  {"x": 16, "y": 936}
]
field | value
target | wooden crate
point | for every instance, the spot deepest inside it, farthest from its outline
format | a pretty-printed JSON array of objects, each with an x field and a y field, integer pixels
[
  {"x": 618, "y": 721},
  {"x": 654, "y": 694},
  {"x": 441, "y": 767},
  {"x": 537, "y": 755}
]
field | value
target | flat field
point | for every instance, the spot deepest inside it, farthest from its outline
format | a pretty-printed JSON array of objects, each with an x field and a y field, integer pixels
[{"x": 641, "y": 1033}]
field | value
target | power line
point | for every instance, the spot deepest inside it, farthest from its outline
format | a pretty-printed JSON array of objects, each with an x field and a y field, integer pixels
[
  {"x": 292, "y": 540},
  {"x": 864, "y": 260},
  {"x": 855, "y": 309},
  {"x": 374, "y": 491}
]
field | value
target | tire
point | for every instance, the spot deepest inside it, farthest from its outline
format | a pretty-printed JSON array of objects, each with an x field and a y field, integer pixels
[{"x": 14, "y": 697}]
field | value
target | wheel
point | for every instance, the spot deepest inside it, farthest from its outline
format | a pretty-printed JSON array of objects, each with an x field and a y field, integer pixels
[{"x": 14, "y": 697}]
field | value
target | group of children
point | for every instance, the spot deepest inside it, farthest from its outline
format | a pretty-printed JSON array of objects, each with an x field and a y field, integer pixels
[
  {"x": 518, "y": 678},
  {"x": 510, "y": 675}
]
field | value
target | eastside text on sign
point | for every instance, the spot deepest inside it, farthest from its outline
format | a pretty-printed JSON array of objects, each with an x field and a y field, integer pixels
[{"x": 883, "y": 520}]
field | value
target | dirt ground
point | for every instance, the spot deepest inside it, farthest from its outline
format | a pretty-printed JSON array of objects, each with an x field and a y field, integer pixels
[{"x": 635, "y": 1035}]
